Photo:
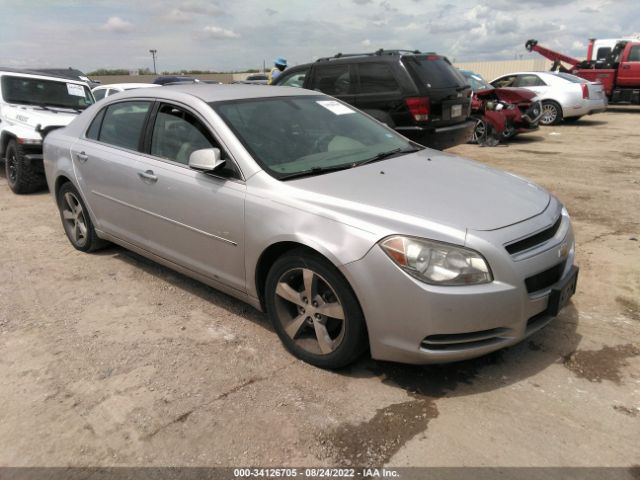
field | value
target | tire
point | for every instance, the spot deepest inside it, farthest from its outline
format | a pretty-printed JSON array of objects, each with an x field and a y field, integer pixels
[
  {"x": 22, "y": 176},
  {"x": 301, "y": 286},
  {"x": 76, "y": 220},
  {"x": 572, "y": 119},
  {"x": 551, "y": 113},
  {"x": 479, "y": 132}
]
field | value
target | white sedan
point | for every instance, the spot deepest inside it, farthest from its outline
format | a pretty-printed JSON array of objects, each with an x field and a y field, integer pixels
[
  {"x": 104, "y": 91},
  {"x": 564, "y": 96}
]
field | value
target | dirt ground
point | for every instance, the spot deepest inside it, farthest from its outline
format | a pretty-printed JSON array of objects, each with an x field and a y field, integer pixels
[{"x": 110, "y": 359}]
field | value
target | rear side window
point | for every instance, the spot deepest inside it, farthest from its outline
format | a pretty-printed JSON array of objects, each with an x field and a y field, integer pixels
[
  {"x": 634, "y": 54},
  {"x": 603, "y": 53},
  {"x": 376, "y": 78},
  {"x": 436, "y": 72},
  {"x": 99, "y": 94},
  {"x": 94, "y": 128},
  {"x": 333, "y": 79},
  {"x": 122, "y": 124},
  {"x": 529, "y": 81}
]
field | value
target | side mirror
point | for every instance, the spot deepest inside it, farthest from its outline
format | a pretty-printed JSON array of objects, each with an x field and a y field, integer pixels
[{"x": 206, "y": 160}]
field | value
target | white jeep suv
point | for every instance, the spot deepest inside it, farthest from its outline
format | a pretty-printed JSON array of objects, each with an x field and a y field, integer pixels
[{"x": 31, "y": 106}]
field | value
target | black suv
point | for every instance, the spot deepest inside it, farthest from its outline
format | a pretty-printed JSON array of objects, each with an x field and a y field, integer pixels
[{"x": 421, "y": 95}]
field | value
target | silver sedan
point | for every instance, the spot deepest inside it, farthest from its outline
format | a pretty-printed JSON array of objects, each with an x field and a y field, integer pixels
[
  {"x": 564, "y": 96},
  {"x": 347, "y": 234}
]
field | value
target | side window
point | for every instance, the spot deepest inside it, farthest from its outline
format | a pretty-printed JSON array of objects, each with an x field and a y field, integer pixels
[
  {"x": 122, "y": 124},
  {"x": 333, "y": 79},
  {"x": 507, "y": 81},
  {"x": 603, "y": 53},
  {"x": 634, "y": 54},
  {"x": 529, "y": 81},
  {"x": 94, "y": 128},
  {"x": 295, "y": 79},
  {"x": 177, "y": 133},
  {"x": 377, "y": 78},
  {"x": 99, "y": 94}
]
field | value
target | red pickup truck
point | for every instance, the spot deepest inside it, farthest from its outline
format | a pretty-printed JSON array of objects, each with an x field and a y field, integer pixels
[{"x": 618, "y": 70}]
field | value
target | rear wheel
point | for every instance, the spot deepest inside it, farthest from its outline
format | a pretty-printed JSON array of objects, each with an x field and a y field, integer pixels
[
  {"x": 76, "y": 221},
  {"x": 314, "y": 311},
  {"x": 551, "y": 113},
  {"x": 22, "y": 175}
]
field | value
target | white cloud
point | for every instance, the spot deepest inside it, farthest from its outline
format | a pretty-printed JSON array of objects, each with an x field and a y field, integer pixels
[
  {"x": 366, "y": 42},
  {"x": 117, "y": 25},
  {"x": 216, "y": 32}
]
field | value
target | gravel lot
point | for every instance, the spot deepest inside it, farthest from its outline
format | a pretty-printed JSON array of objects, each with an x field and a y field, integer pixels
[{"x": 110, "y": 359}]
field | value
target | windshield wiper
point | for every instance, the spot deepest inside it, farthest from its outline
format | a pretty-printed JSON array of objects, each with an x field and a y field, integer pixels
[
  {"x": 315, "y": 171},
  {"x": 390, "y": 153}
]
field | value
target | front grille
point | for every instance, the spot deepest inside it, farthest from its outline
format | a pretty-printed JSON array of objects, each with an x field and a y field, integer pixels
[
  {"x": 534, "y": 240},
  {"x": 544, "y": 279}
]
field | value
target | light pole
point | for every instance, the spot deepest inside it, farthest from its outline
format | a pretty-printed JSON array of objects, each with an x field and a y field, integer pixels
[{"x": 153, "y": 55}]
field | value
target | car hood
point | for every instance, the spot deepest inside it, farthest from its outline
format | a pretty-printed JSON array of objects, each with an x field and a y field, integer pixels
[
  {"x": 514, "y": 95},
  {"x": 36, "y": 116},
  {"x": 427, "y": 186}
]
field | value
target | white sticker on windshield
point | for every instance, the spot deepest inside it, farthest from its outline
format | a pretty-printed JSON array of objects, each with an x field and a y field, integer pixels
[
  {"x": 336, "y": 107},
  {"x": 75, "y": 89}
]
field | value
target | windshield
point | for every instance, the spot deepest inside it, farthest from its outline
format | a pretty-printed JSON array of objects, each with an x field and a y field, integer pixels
[
  {"x": 45, "y": 93},
  {"x": 477, "y": 82},
  {"x": 290, "y": 135},
  {"x": 569, "y": 77}
]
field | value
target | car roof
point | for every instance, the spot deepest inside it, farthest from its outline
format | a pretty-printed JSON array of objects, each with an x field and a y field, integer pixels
[
  {"x": 36, "y": 74},
  {"x": 125, "y": 85},
  {"x": 217, "y": 93}
]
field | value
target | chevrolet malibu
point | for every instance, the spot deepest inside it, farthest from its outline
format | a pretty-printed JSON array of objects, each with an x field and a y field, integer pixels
[{"x": 348, "y": 235}]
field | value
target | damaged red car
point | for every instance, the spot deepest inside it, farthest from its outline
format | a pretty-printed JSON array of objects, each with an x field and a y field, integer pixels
[{"x": 501, "y": 113}]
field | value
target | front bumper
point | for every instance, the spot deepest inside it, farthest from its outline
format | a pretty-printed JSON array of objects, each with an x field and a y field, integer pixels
[
  {"x": 439, "y": 138},
  {"x": 411, "y": 322}
]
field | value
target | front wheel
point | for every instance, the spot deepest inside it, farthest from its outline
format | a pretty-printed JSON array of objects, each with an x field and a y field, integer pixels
[
  {"x": 551, "y": 113},
  {"x": 22, "y": 175},
  {"x": 314, "y": 311},
  {"x": 479, "y": 132}
]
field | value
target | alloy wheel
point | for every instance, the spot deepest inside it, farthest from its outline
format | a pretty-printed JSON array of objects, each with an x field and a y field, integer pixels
[
  {"x": 75, "y": 223},
  {"x": 549, "y": 114},
  {"x": 309, "y": 311},
  {"x": 479, "y": 131}
]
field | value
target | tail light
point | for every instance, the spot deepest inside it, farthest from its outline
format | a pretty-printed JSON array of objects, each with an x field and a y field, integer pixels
[
  {"x": 419, "y": 107},
  {"x": 585, "y": 90}
]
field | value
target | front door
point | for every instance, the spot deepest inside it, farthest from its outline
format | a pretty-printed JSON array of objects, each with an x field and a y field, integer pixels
[
  {"x": 629, "y": 70},
  {"x": 194, "y": 219}
]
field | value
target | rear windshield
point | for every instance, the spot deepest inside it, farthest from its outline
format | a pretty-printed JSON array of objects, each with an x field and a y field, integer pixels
[
  {"x": 569, "y": 77},
  {"x": 45, "y": 93},
  {"x": 437, "y": 72}
]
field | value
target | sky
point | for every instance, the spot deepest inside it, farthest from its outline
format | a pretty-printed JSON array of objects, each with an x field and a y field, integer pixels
[{"x": 225, "y": 35}]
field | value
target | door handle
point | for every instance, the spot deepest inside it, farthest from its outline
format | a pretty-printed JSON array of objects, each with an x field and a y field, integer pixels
[
  {"x": 626, "y": 67},
  {"x": 148, "y": 176},
  {"x": 83, "y": 157}
]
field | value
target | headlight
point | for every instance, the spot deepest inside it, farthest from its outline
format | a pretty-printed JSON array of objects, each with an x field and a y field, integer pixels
[{"x": 437, "y": 263}]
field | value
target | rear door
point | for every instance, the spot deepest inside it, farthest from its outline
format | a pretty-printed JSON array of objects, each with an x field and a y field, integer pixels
[
  {"x": 335, "y": 79},
  {"x": 378, "y": 91},
  {"x": 629, "y": 70},
  {"x": 192, "y": 218},
  {"x": 106, "y": 161}
]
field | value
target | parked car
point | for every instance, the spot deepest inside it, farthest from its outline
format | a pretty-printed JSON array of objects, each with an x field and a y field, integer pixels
[
  {"x": 105, "y": 90},
  {"x": 504, "y": 111},
  {"x": 343, "y": 231},
  {"x": 31, "y": 106},
  {"x": 164, "y": 79},
  {"x": 564, "y": 96},
  {"x": 419, "y": 95},
  {"x": 255, "y": 78}
]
